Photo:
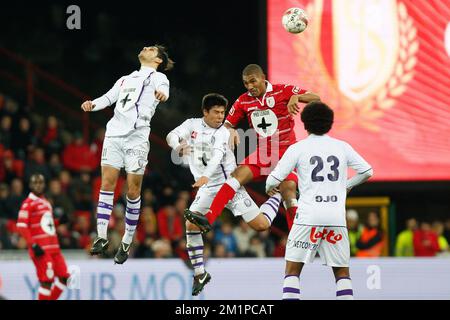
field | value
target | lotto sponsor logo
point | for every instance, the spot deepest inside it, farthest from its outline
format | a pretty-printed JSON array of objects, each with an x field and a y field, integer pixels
[{"x": 327, "y": 235}]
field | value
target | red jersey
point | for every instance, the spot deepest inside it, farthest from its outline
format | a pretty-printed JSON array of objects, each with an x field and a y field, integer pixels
[
  {"x": 36, "y": 216},
  {"x": 268, "y": 115}
]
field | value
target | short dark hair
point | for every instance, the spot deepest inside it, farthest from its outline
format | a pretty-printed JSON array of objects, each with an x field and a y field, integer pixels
[
  {"x": 317, "y": 117},
  {"x": 213, "y": 99},
  {"x": 167, "y": 63},
  {"x": 252, "y": 69}
]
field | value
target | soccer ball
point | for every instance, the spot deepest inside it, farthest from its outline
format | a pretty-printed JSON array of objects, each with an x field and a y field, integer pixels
[{"x": 295, "y": 20}]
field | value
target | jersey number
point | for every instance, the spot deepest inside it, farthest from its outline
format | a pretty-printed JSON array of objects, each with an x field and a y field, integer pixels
[{"x": 318, "y": 162}]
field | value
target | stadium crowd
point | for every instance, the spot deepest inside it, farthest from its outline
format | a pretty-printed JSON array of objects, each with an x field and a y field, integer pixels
[{"x": 31, "y": 143}]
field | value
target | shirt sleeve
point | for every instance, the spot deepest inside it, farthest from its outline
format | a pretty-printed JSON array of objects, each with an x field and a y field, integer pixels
[
  {"x": 357, "y": 163},
  {"x": 23, "y": 222},
  {"x": 108, "y": 98},
  {"x": 235, "y": 114},
  {"x": 290, "y": 90},
  {"x": 163, "y": 84},
  {"x": 285, "y": 166},
  {"x": 182, "y": 132}
]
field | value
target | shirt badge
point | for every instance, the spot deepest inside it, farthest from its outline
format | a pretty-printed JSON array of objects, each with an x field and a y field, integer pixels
[{"x": 270, "y": 101}]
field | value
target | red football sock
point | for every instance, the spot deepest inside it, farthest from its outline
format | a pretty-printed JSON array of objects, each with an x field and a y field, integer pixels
[
  {"x": 57, "y": 289},
  {"x": 44, "y": 294},
  {"x": 225, "y": 194},
  {"x": 290, "y": 216}
]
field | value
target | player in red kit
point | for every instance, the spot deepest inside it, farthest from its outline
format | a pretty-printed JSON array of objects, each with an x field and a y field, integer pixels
[
  {"x": 269, "y": 109},
  {"x": 35, "y": 223}
]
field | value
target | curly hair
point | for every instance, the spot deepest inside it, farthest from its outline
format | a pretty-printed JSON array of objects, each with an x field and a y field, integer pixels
[{"x": 317, "y": 117}]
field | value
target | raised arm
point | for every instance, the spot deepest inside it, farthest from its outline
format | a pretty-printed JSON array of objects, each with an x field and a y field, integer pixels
[
  {"x": 285, "y": 166},
  {"x": 306, "y": 97},
  {"x": 105, "y": 100},
  {"x": 177, "y": 138}
]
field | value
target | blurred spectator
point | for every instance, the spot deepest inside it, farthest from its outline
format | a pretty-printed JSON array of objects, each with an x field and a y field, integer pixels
[
  {"x": 425, "y": 241},
  {"x": 77, "y": 156},
  {"x": 5, "y": 132},
  {"x": 447, "y": 230},
  {"x": 269, "y": 243},
  {"x": 220, "y": 251},
  {"x": 82, "y": 232},
  {"x": 256, "y": 248},
  {"x": 280, "y": 247},
  {"x": 62, "y": 205},
  {"x": 37, "y": 164},
  {"x": 162, "y": 248},
  {"x": 146, "y": 233},
  {"x": 10, "y": 168},
  {"x": 404, "y": 246},
  {"x": 82, "y": 192},
  {"x": 226, "y": 237},
  {"x": 371, "y": 242},
  {"x": 66, "y": 180},
  {"x": 97, "y": 146},
  {"x": 438, "y": 228},
  {"x": 148, "y": 198},
  {"x": 51, "y": 140},
  {"x": 354, "y": 230},
  {"x": 243, "y": 234},
  {"x": 22, "y": 139},
  {"x": 170, "y": 223},
  {"x": 55, "y": 166},
  {"x": 115, "y": 234},
  {"x": 16, "y": 196},
  {"x": 6, "y": 212}
]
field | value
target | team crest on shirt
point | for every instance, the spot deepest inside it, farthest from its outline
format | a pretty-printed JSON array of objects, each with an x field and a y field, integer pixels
[
  {"x": 193, "y": 135},
  {"x": 265, "y": 122},
  {"x": 270, "y": 101},
  {"x": 47, "y": 223}
]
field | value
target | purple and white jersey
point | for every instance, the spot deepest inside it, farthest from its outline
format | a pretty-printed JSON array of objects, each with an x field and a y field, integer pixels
[
  {"x": 135, "y": 100},
  {"x": 210, "y": 155},
  {"x": 322, "y": 163}
]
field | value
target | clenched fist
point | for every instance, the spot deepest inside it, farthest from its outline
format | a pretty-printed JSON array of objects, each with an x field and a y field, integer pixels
[{"x": 87, "y": 106}]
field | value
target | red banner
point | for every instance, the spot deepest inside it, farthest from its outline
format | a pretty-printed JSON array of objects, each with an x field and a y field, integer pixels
[{"x": 384, "y": 67}]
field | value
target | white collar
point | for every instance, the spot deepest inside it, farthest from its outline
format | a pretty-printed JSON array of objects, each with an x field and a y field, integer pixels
[
  {"x": 147, "y": 69},
  {"x": 32, "y": 196},
  {"x": 269, "y": 88}
]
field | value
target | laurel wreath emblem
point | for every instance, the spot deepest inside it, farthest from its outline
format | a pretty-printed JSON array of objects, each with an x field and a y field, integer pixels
[{"x": 349, "y": 113}]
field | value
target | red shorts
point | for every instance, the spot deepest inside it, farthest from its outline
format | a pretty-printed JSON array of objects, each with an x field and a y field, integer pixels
[
  {"x": 50, "y": 265},
  {"x": 262, "y": 165}
]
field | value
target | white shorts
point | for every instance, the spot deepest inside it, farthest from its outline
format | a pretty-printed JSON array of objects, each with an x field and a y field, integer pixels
[
  {"x": 241, "y": 204},
  {"x": 332, "y": 243},
  {"x": 129, "y": 152}
]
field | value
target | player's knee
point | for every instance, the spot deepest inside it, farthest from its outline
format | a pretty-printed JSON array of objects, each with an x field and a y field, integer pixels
[
  {"x": 108, "y": 184},
  {"x": 191, "y": 227},
  {"x": 260, "y": 225},
  {"x": 242, "y": 174},
  {"x": 133, "y": 193}
]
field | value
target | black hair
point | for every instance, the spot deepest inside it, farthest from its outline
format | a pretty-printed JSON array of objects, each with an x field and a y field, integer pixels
[
  {"x": 252, "y": 69},
  {"x": 167, "y": 63},
  {"x": 213, "y": 99},
  {"x": 317, "y": 117}
]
